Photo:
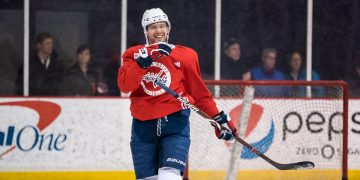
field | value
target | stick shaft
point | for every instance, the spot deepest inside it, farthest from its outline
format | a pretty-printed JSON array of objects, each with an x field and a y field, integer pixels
[{"x": 238, "y": 139}]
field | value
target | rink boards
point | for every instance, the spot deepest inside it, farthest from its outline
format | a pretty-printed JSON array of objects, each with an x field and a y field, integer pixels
[{"x": 88, "y": 138}]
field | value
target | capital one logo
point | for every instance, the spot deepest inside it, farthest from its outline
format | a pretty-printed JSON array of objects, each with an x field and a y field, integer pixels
[
  {"x": 31, "y": 137},
  {"x": 265, "y": 142}
]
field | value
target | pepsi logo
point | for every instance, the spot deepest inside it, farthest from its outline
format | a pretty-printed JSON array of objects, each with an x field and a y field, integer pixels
[{"x": 262, "y": 145}]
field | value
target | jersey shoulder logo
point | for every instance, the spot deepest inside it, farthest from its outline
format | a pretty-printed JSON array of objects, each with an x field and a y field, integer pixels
[{"x": 159, "y": 72}]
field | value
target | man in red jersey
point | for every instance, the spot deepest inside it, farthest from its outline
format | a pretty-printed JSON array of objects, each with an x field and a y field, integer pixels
[{"x": 160, "y": 134}]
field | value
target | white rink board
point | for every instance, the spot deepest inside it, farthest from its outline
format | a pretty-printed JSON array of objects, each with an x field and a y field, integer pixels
[
  {"x": 97, "y": 134},
  {"x": 296, "y": 147}
]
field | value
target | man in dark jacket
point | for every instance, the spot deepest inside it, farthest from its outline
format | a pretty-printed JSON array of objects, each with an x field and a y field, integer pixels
[
  {"x": 45, "y": 71},
  {"x": 231, "y": 65}
]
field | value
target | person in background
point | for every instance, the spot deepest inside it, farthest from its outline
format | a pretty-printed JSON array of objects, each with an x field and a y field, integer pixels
[
  {"x": 111, "y": 70},
  {"x": 268, "y": 71},
  {"x": 297, "y": 72},
  {"x": 8, "y": 64},
  {"x": 110, "y": 75},
  {"x": 231, "y": 65},
  {"x": 45, "y": 71},
  {"x": 79, "y": 79}
]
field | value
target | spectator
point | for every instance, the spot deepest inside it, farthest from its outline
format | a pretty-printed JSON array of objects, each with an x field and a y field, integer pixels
[
  {"x": 45, "y": 71},
  {"x": 79, "y": 80},
  {"x": 110, "y": 75},
  {"x": 231, "y": 65},
  {"x": 267, "y": 71},
  {"x": 354, "y": 79},
  {"x": 296, "y": 71},
  {"x": 8, "y": 64},
  {"x": 111, "y": 72}
]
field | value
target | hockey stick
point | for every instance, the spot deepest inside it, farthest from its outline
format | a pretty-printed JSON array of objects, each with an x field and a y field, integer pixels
[{"x": 290, "y": 166}]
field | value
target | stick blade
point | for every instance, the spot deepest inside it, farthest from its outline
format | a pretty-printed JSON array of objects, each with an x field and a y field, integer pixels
[{"x": 297, "y": 166}]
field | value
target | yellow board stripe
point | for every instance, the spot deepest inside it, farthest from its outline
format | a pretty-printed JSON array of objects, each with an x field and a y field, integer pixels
[
  {"x": 106, "y": 175},
  {"x": 194, "y": 175},
  {"x": 276, "y": 175}
]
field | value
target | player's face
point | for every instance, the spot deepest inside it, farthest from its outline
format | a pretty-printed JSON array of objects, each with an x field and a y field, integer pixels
[
  {"x": 295, "y": 62},
  {"x": 84, "y": 57},
  {"x": 157, "y": 32},
  {"x": 233, "y": 52},
  {"x": 269, "y": 60},
  {"x": 46, "y": 46}
]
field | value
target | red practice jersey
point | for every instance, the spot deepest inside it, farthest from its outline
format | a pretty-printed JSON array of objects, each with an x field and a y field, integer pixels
[{"x": 179, "y": 71}]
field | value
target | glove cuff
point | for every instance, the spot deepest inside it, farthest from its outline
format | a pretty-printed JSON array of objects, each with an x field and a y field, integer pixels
[
  {"x": 221, "y": 118},
  {"x": 142, "y": 65}
]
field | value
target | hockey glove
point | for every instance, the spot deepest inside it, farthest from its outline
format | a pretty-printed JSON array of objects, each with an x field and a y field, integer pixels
[
  {"x": 162, "y": 48},
  {"x": 144, "y": 60},
  {"x": 229, "y": 131}
]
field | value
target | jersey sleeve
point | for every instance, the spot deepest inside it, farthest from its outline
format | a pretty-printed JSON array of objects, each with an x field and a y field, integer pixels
[
  {"x": 130, "y": 73},
  {"x": 197, "y": 89}
]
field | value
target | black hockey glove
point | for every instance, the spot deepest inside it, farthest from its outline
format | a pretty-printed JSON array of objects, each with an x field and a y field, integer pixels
[
  {"x": 229, "y": 131},
  {"x": 144, "y": 60},
  {"x": 156, "y": 51},
  {"x": 162, "y": 48}
]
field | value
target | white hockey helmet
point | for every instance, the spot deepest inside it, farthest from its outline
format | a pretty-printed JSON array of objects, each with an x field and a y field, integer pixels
[{"x": 154, "y": 15}]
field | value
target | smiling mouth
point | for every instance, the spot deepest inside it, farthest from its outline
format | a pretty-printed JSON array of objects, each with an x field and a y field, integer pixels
[{"x": 159, "y": 36}]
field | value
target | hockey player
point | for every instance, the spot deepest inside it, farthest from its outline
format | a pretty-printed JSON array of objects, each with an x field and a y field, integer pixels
[{"x": 160, "y": 134}]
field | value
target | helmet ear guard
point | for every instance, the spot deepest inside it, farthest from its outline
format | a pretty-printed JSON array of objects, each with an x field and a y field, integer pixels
[{"x": 154, "y": 15}]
